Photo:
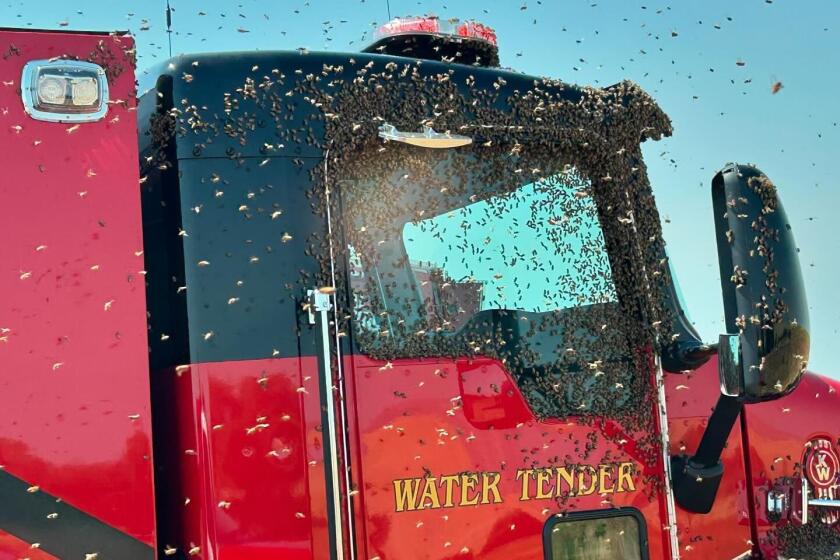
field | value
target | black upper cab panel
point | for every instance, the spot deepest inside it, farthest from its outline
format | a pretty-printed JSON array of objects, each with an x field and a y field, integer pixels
[
  {"x": 254, "y": 104},
  {"x": 230, "y": 145}
]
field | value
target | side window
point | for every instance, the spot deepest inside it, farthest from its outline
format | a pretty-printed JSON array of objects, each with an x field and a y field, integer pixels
[
  {"x": 488, "y": 253},
  {"x": 537, "y": 249},
  {"x": 597, "y": 536}
]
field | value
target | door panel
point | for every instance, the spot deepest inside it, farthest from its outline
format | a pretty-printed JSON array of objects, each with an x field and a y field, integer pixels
[
  {"x": 412, "y": 430},
  {"x": 493, "y": 385},
  {"x": 690, "y": 399}
]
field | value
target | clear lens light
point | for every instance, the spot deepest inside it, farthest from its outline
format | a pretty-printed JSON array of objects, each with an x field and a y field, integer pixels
[
  {"x": 84, "y": 91},
  {"x": 52, "y": 89},
  {"x": 58, "y": 90}
]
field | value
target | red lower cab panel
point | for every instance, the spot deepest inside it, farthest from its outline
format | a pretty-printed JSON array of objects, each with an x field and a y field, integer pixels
[
  {"x": 245, "y": 470},
  {"x": 782, "y": 436},
  {"x": 725, "y": 531},
  {"x": 451, "y": 463},
  {"x": 242, "y": 470}
]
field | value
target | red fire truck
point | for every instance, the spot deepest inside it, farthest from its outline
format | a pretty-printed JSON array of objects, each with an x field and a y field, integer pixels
[{"x": 398, "y": 303}]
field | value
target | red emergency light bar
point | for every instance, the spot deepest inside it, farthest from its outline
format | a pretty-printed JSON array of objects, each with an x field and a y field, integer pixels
[
  {"x": 467, "y": 42},
  {"x": 432, "y": 24},
  {"x": 478, "y": 31}
]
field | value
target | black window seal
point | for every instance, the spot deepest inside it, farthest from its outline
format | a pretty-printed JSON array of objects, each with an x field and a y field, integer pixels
[{"x": 597, "y": 514}]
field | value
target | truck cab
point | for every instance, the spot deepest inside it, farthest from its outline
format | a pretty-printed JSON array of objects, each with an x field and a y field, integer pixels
[{"x": 402, "y": 303}]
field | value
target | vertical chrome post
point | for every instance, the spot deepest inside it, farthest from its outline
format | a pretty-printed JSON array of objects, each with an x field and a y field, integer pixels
[
  {"x": 320, "y": 305},
  {"x": 670, "y": 506},
  {"x": 339, "y": 366},
  {"x": 805, "y": 500}
]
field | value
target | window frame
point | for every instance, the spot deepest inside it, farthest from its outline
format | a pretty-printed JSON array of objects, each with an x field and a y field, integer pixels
[
  {"x": 625, "y": 298},
  {"x": 589, "y": 515},
  {"x": 346, "y": 266}
]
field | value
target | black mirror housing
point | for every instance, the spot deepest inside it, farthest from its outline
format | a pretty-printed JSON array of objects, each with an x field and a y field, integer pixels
[
  {"x": 763, "y": 293},
  {"x": 766, "y": 312}
]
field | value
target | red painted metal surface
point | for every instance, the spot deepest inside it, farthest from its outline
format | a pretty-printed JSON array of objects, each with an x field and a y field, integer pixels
[
  {"x": 244, "y": 460},
  {"x": 725, "y": 531},
  {"x": 414, "y": 418},
  {"x": 243, "y": 451},
  {"x": 74, "y": 391},
  {"x": 12, "y": 548},
  {"x": 778, "y": 432}
]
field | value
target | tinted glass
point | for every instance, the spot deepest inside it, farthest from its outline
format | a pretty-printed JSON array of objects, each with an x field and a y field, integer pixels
[
  {"x": 515, "y": 251},
  {"x": 495, "y": 253},
  {"x": 610, "y": 538}
]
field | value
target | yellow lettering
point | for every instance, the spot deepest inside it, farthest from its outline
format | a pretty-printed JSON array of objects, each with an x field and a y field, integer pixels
[
  {"x": 468, "y": 483},
  {"x": 471, "y": 489},
  {"x": 568, "y": 476},
  {"x": 448, "y": 481},
  {"x": 543, "y": 477},
  {"x": 405, "y": 493},
  {"x": 593, "y": 480},
  {"x": 490, "y": 483},
  {"x": 525, "y": 475},
  {"x": 429, "y": 493},
  {"x": 625, "y": 476},
  {"x": 604, "y": 473}
]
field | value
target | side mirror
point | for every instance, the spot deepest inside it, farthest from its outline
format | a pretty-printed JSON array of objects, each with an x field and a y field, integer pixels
[
  {"x": 763, "y": 293},
  {"x": 766, "y": 312}
]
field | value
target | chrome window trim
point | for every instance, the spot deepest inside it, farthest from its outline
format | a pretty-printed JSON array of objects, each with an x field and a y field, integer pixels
[{"x": 29, "y": 91}]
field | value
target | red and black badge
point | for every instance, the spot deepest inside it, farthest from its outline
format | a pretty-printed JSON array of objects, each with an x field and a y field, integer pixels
[{"x": 821, "y": 465}]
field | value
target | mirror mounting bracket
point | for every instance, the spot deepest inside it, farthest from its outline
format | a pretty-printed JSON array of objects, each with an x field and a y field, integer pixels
[{"x": 696, "y": 479}]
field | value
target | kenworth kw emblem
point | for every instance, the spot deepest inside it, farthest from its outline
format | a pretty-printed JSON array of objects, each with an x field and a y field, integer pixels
[{"x": 821, "y": 467}]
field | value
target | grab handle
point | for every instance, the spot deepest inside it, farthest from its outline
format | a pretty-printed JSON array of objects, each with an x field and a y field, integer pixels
[{"x": 429, "y": 138}]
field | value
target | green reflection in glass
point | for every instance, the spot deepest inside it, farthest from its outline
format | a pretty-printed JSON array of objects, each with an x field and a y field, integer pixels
[{"x": 609, "y": 538}]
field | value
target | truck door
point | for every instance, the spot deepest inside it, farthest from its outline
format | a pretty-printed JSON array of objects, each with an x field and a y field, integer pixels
[{"x": 500, "y": 401}]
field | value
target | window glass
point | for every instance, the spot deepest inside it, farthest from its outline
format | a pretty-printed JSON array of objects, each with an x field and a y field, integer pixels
[
  {"x": 518, "y": 250},
  {"x": 607, "y": 538},
  {"x": 501, "y": 254}
]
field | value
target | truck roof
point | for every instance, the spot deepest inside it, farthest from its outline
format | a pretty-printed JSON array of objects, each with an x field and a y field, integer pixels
[
  {"x": 66, "y": 31},
  {"x": 256, "y": 94}
]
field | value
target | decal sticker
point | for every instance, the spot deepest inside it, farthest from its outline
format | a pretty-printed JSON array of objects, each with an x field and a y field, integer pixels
[
  {"x": 34, "y": 516},
  {"x": 821, "y": 468},
  {"x": 470, "y": 489}
]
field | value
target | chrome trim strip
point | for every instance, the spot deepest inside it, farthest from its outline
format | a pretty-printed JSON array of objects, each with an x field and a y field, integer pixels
[
  {"x": 345, "y": 432},
  {"x": 819, "y": 502},
  {"x": 322, "y": 304},
  {"x": 804, "y": 501},
  {"x": 666, "y": 457}
]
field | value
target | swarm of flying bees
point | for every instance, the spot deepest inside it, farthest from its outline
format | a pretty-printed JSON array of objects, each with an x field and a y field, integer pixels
[{"x": 539, "y": 244}]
